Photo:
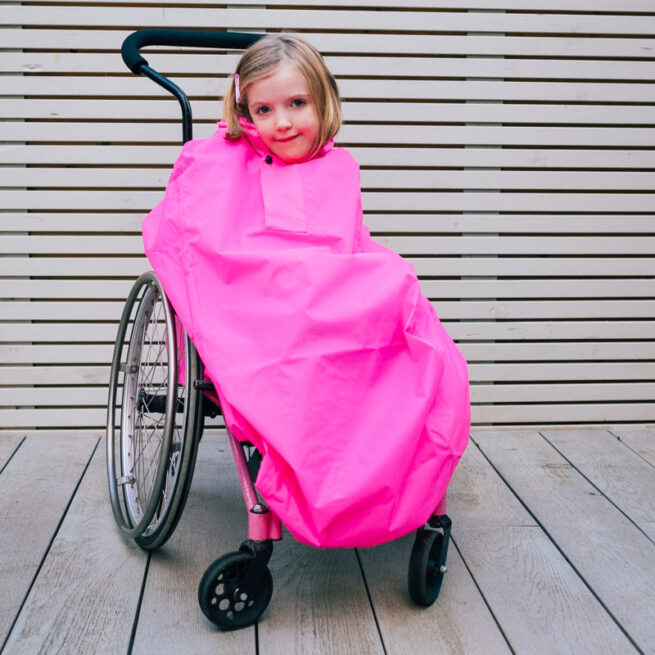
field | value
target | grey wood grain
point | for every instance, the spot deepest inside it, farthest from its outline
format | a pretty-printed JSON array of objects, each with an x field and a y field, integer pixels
[
  {"x": 617, "y": 471},
  {"x": 8, "y": 445},
  {"x": 319, "y": 605},
  {"x": 613, "y": 556},
  {"x": 458, "y": 622},
  {"x": 214, "y": 522},
  {"x": 639, "y": 439},
  {"x": 87, "y": 592},
  {"x": 538, "y": 599},
  {"x": 34, "y": 493}
]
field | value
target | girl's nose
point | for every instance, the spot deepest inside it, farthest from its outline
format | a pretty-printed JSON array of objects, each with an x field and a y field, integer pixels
[{"x": 283, "y": 121}]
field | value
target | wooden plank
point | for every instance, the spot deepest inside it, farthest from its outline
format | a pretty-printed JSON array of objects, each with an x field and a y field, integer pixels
[
  {"x": 558, "y": 413},
  {"x": 433, "y": 289},
  {"x": 320, "y": 603},
  {"x": 79, "y": 353},
  {"x": 638, "y": 439},
  {"x": 515, "y": 224},
  {"x": 9, "y": 444},
  {"x": 616, "y": 471},
  {"x": 614, "y": 6},
  {"x": 428, "y": 112},
  {"x": 364, "y": 66},
  {"x": 357, "y": 42},
  {"x": 86, "y": 595},
  {"x": 35, "y": 490},
  {"x": 595, "y": 536},
  {"x": 472, "y": 201},
  {"x": 401, "y": 135},
  {"x": 234, "y": 18},
  {"x": 133, "y": 266},
  {"x": 214, "y": 522},
  {"x": 536, "y": 597},
  {"x": 165, "y": 155},
  {"x": 459, "y": 621},
  {"x": 128, "y": 178}
]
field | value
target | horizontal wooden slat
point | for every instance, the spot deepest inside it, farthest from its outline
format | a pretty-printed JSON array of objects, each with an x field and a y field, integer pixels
[
  {"x": 40, "y": 37},
  {"x": 447, "y": 310},
  {"x": 424, "y": 245},
  {"x": 480, "y": 393},
  {"x": 108, "y": 178},
  {"x": 638, "y": 6},
  {"x": 121, "y": 200},
  {"x": 499, "y": 352},
  {"x": 120, "y": 266},
  {"x": 535, "y": 91},
  {"x": 319, "y": 19},
  {"x": 426, "y": 112},
  {"x": 67, "y": 332},
  {"x": 409, "y": 67},
  {"x": 515, "y": 224},
  {"x": 563, "y": 288},
  {"x": 487, "y": 157}
]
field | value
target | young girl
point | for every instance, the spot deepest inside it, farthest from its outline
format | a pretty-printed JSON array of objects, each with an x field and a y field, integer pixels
[{"x": 323, "y": 351}]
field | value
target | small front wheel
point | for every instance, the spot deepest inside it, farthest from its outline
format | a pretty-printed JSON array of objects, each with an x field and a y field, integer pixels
[
  {"x": 427, "y": 563},
  {"x": 219, "y": 596}
]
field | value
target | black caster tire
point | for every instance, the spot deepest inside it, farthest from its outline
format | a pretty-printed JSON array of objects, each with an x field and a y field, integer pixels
[
  {"x": 427, "y": 563},
  {"x": 216, "y": 592}
]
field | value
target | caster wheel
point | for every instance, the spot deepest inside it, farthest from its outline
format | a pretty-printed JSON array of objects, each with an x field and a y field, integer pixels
[
  {"x": 218, "y": 592},
  {"x": 427, "y": 563}
]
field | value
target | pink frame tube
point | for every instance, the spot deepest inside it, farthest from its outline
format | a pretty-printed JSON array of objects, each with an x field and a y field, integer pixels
[{"x": 262, "y": 523}]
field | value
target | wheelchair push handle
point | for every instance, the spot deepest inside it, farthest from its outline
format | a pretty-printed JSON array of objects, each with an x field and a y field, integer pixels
[{"x": 191, "y": 38}]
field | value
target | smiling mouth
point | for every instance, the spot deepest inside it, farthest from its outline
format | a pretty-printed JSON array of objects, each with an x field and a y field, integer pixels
[{"x": 290, "y": 138}]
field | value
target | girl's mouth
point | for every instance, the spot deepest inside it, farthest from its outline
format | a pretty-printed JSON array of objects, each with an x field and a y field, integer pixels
[{"x": 289, "y": 138}]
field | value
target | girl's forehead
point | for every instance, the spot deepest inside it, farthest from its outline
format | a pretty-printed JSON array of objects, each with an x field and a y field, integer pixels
[{"x": 286, "y": 80}]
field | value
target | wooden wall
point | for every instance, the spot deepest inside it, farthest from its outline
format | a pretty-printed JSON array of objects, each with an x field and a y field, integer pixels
[{"x": 506, "y": 146}]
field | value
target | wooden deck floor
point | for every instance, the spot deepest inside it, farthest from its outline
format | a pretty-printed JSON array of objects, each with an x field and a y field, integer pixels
[{"x": 553, "y": 552}]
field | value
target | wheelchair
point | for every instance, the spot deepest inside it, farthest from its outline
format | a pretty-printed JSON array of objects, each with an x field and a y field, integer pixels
[{"x": 157, "y": 405}]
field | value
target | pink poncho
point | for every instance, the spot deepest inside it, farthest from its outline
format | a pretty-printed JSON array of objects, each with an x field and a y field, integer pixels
[{"x": 324, "y": 353}]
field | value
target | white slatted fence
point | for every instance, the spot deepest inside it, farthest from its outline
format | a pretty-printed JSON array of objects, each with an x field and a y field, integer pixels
[{"x": 507, "y": 150}]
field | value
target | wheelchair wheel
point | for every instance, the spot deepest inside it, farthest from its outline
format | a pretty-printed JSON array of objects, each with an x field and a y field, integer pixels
[{"x": 154, "y": 417}]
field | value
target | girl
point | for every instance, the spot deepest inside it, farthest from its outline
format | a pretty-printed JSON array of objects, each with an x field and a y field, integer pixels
[{"x": 323, "y": 351}]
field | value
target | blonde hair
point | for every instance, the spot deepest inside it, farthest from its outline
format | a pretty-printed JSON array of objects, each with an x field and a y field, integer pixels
[{"x": 262, "y": 59}]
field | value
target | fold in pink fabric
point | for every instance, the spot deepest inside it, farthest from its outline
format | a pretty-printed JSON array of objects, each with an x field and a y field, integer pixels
[{"x": 324, "y": 353}]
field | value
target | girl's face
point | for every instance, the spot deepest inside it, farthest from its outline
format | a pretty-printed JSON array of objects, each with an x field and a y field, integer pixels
[{"x": 283, "y": 112}]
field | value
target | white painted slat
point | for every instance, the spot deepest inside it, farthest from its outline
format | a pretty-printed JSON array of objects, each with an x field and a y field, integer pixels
[
  {"x": 465, "y": 289},
  {"x": 428, "y": 112},
  {"x": 165, "y": 155},
  {"x": 414, "y": 67},
  {"x": 319, "y": 19},
  {"x": 514, "y": 224},
  {"x": 637, "y": 6},
  {"x": 537, "y": 91},
  {"x": 356, "y": 42},
  {"x": 442, "y": 266},
  {"x": 79, "y": 178},
  {"x": 122, "y": 200},
  {"x": 555, "y": 413}
]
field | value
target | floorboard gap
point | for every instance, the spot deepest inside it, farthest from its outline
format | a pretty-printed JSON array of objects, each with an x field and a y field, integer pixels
[
  {"x": 616, "y": 436},
  {"x": 4, "y": 466},
  {"x": 135, "y": 625},
  {"x": 370, "y": 601},
  {"x": 562, "y": 553},
  {"x": 484, "y": 598}
]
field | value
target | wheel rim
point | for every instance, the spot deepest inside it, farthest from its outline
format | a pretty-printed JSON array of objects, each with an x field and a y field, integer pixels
[{"x": 145, "y": 440}]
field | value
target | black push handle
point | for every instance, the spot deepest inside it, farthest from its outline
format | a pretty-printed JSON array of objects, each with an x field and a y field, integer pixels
[{"x": 192, "y": 38}]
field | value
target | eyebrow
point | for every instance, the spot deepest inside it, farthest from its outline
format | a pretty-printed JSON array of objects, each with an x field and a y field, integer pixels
[{"x": 293, "y": 96}]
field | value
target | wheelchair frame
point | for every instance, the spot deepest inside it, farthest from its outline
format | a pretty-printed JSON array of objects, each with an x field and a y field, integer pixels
[{"x": 155, "y": 422}]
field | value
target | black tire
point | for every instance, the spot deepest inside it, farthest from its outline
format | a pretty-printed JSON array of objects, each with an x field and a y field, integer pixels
[
  {"x": 217, "y": 587},
  {"x": 150, "y": 452},
  {"x": 427, "y": 565}
]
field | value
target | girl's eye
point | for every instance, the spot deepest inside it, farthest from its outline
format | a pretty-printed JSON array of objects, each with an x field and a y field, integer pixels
[
  {"x": 298, "y": 102},
  {"x": 263, "y": 110}
]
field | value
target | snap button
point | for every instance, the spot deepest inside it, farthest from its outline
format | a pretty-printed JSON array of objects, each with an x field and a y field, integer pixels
[{"x": 269, "y": 159}]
